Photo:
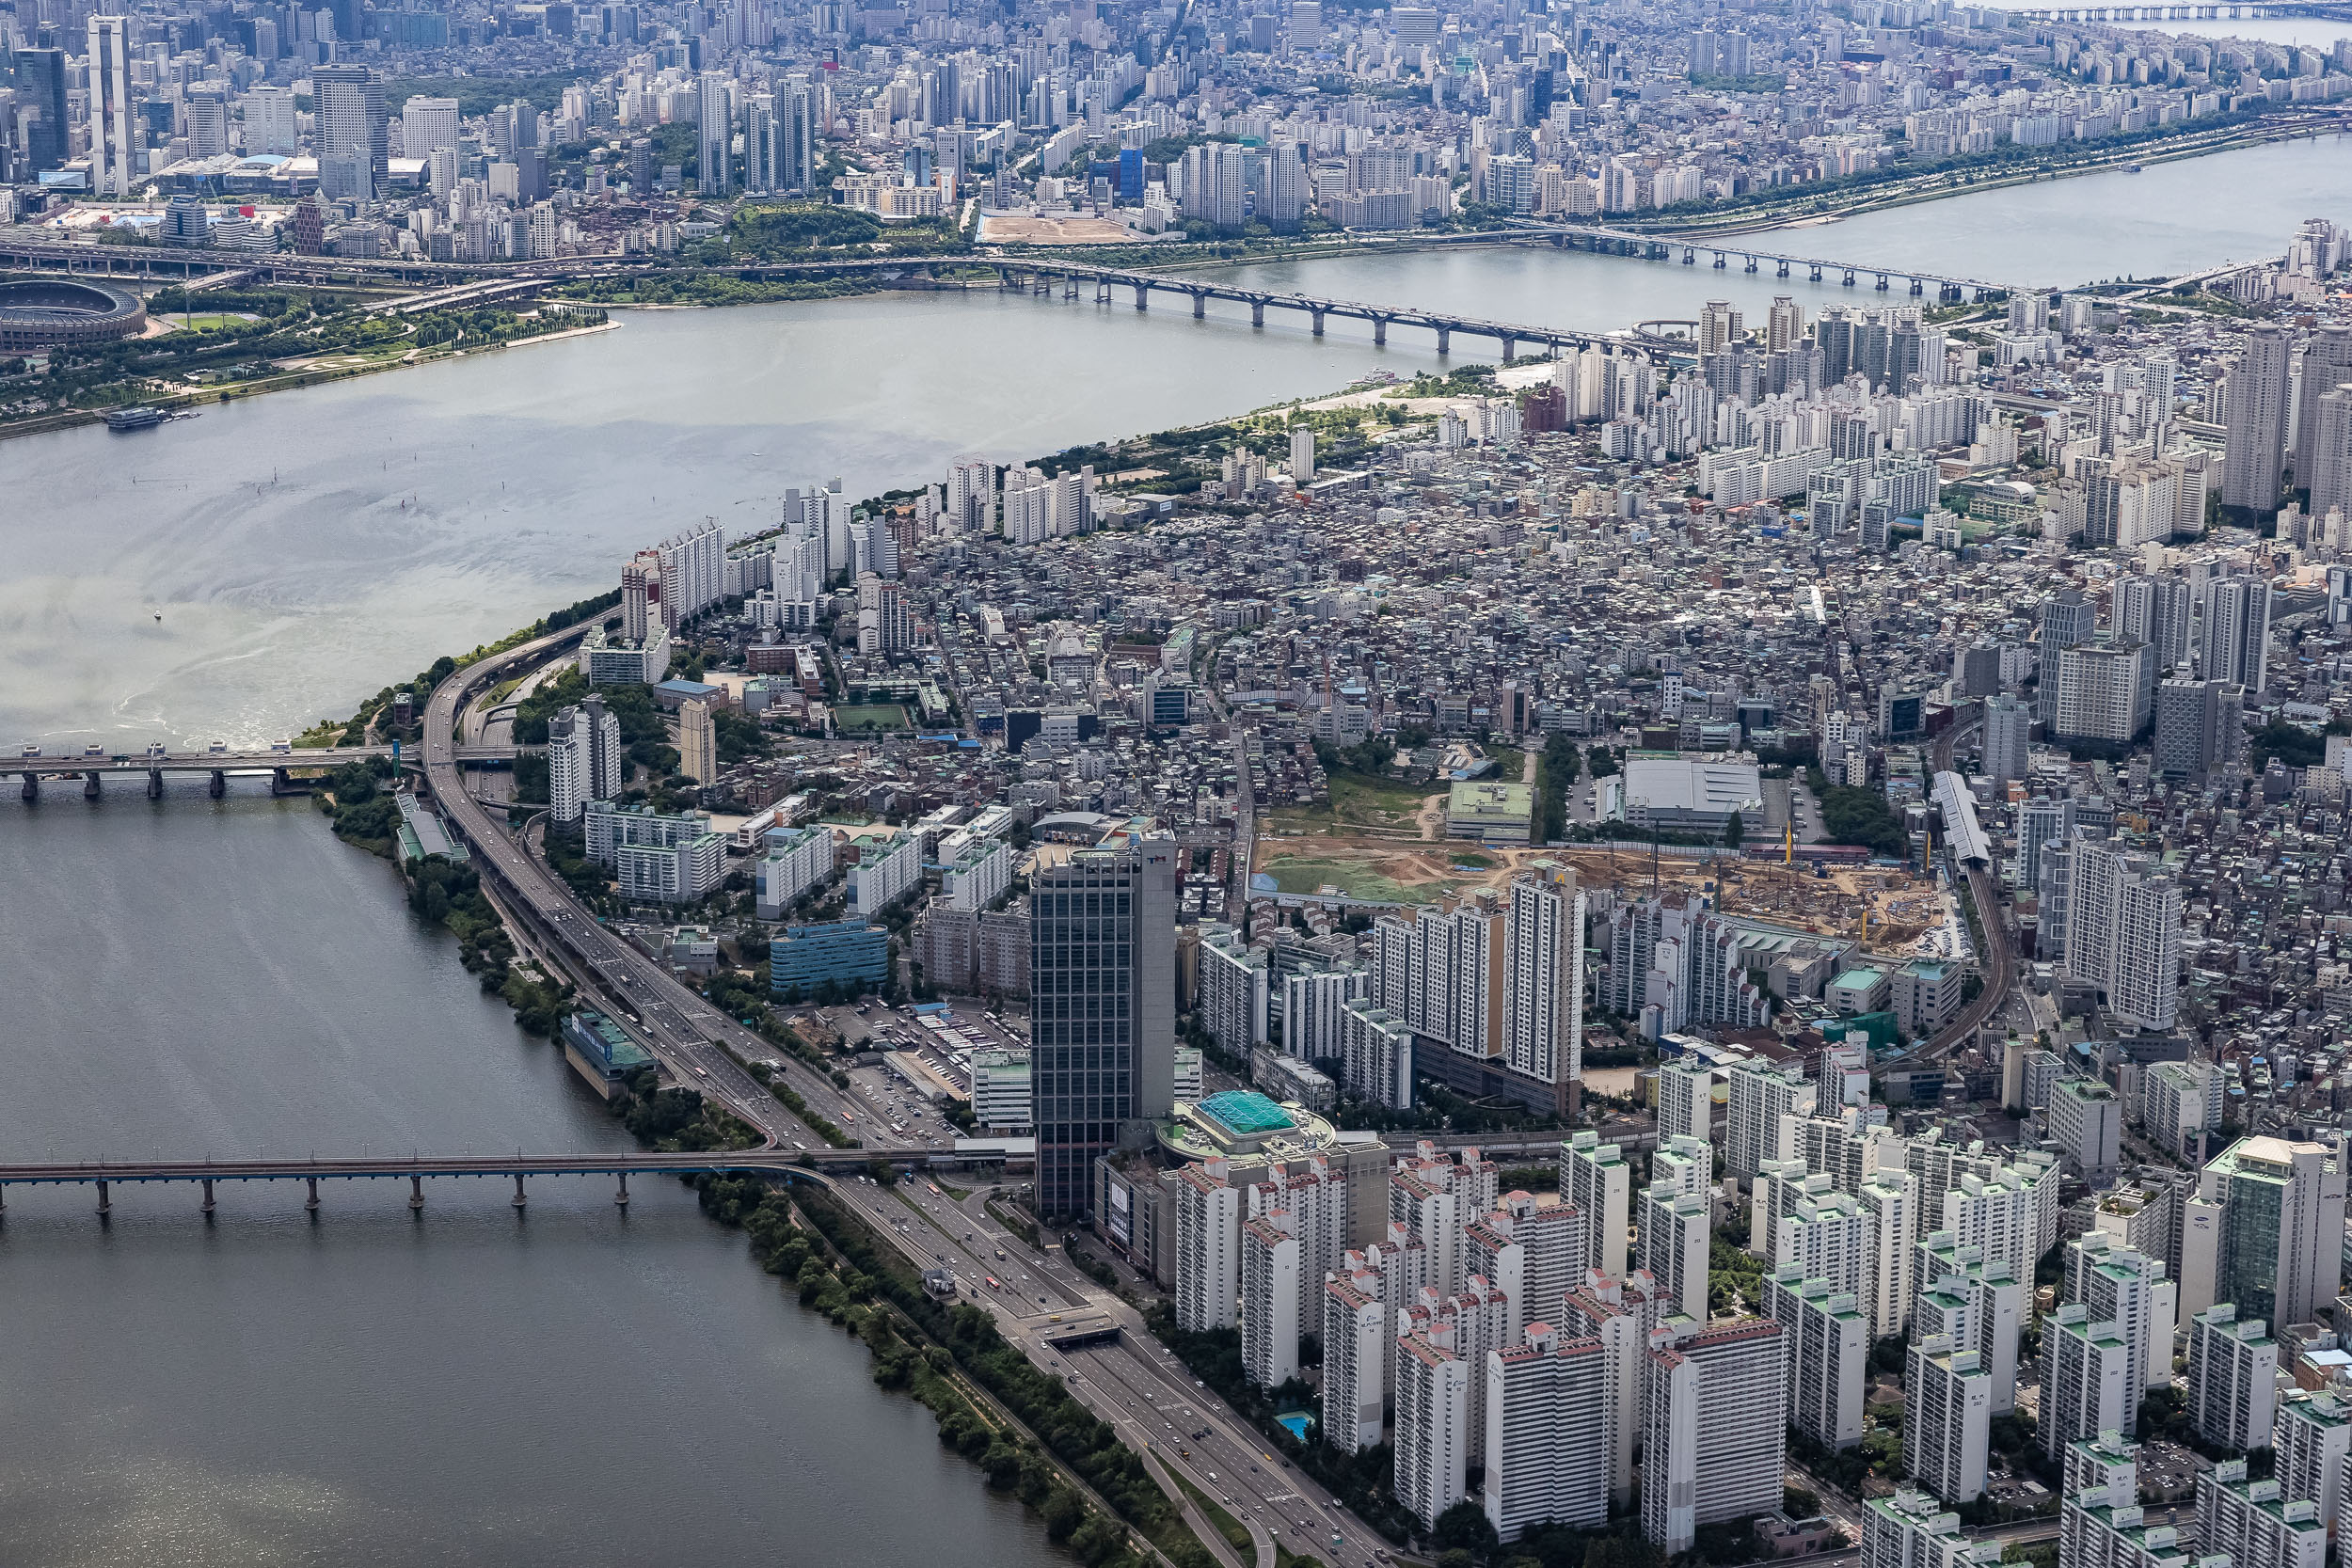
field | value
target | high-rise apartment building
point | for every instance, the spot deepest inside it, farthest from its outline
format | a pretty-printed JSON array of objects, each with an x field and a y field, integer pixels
[
  {"x": 1357, "y": 1332},
  {"x": 2232, "y": 1378},
  {"x": 2086, "y": 1384},
  {"x": 1597, "y": 1182},
  {"x": 2101, "y": 693},
  {"x": 2007, "y": 737},
  {"x": 697, "y": 741},
  {"x": 1947, "y": 1418},
  {"x": 1550, "y": 1403},
  {"x": 1208, "y": 1246},
  {"x": 1715, "y": 1425},
  {"x": 2199, "y": 732},
  {"x": 1269, "y": 1299},
  {"x": 2124, "y": 932},
  {"x": 715, "y": 138},
  {"x": 2310, "y": 1443},
  {"x": 2255, "y": 449},
  {"x": 1758, "y": 1096},
  {"x": 1103, "y": 1008},
  {"x": 2326, "y": 364},
  {"x": 2250, "y": 1524},
  {"x": 2157, "y": 612},
  {"x": 1543, "y": 1008},
  {"x": 2237, "y": 632},
  {"x": 583, "y": 758},
  {"x": 1432, "y": 1441}
]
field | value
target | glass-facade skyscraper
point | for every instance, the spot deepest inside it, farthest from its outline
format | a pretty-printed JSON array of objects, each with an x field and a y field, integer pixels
[{"x": 1103, "y": 1009}]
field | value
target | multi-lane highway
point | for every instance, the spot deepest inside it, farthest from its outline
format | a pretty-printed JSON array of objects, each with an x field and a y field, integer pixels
[{"x": 699, "y": 1046}]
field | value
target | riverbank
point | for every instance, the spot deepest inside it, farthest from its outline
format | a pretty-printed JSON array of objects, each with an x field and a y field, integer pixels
[{"x": 287, "y": 380}]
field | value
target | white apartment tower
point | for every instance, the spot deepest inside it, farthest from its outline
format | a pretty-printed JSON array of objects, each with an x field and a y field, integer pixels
[
  {"x": 2232, "y": 1378},
  {"x": 1595, "y": 1178},
  {"x": 1269, "y": 1299},
  {"x": 1208, "y": 1249},
  {"x": 1549, "y": 1409},
  {"x": 1715, "y": 1426},
  {"x": 1947, "y": 1418}
]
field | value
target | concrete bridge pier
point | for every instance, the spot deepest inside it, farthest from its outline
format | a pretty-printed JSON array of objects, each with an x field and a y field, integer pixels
[
  {"x": 279, "y": 782},
  {"x": 1817, "y": 271},
  {"x": 1445, "y": 340},
  {"x": 208, "y": 1197},
  {"x": 1917, "y": 286},
  {"x": 519, "y": 1200},
  {"x": 1784, "y": 269},
  {"x": 1317, "y": 310},
  {"x": 1849, "y": 277},
  {"x": 1510, "y": 348},
  {"x": 1070, "y": 288},
  {"x": 416, "y": 1194},
  {"x": 1379, "y": 331},
  {"x": 91, "y": 789},
  {"x": 1256, "y": 312},
  {"x": 311, "y": 1205},
  {"x": 32, "y": 788},
  {"x": 621, "y": 1197},
  {"x": 1200, "y": 304},
  {"x": 154, "y": 783},
  {"x": 1882, "y": 283},
  {"x": 1719, "y": 262},
  {"x": 1143, "y": 296},
  {"x": 1102, "y": 290},
  {"x": 1751, "y": 263},
  {"x": 105, "y": 1207},
  {"x": 1690, "y": 256},
  {"x": 220, "y": 783}
]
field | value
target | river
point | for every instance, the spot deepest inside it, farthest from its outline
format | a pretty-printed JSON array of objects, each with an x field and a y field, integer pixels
[
  {"x": 239, "y": 574},
  {"x": 573, "y": 1387}
]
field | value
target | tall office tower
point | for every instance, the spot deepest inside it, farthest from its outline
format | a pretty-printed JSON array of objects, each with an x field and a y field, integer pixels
[
  {"x": 697, "y": 742},
  {"x": 1208, "y": 1246},
  {"x": 793, "y": 106},
  {"x": 2311, "y": 1441},
  {"x": 1947, "y": 1418},
  {"x": 2283, "y": 1218},
  {"x": 2326, "y": 364},
  {"x": 1550, "y": 1405},
  {"x": 1785, "y": 327},
  {"x": 2086, "y": 1385},
  {"x": 1269, "y": 1299},
  {"x": 348, "y": 132},
  {"x": 41, "y": 97},
  {"x": 1103, "y": 1009},
  {"x": 1907, "y": 1531},
  {"x": 2330, "y": 448},
  {"x": 1595, "y": 1181},
  {"x": 1543, "y": 938},
  {"x": 1887, "y": 1201},
  {"x": 1759, "y": 1095},
  {"x": 2250, "y": 1524},
  {"x": 1432, "y": 1444},
  {"x": 427, "y": 124},
  {"x": 1686, "y": 1105},
  {"x": 2007, "y": 737},
  {"x": 2155, "y": 610},
  {"x": 1356, "y": 1332},
  {"x": 1715, "y": 1421},
  {"x": 2237, "y": 632},
  {"x": 114, "y": 136},
  {"x": 715, "y": 138},
  {"x": 1675, "y": 1236},
  {"x": 2101, "y": 693},
  {"x": 2255, "y": 447},
  {"x": 2068, "y": 619},
  {"x": 2232, "y": 1378},
  {"x": 2198, "y": 728},
  {"x": 208, "y": 123}
]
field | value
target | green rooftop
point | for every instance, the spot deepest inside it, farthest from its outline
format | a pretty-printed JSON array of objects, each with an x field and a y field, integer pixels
[{"x": 1245, "y": 1112}]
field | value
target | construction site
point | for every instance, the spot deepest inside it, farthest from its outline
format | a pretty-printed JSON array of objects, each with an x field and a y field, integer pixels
[{"x": 1890, "y": 906}]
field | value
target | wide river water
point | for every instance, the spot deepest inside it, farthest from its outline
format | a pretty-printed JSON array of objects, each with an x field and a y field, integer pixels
[
  {"x": 187, "y": 975},
  {"x": 570, "y": 1386},
  {"x": 239, "y": 574}
]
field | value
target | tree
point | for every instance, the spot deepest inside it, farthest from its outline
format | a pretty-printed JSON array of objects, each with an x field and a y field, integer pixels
[
  {"x": 1464, "y": 1527},
  {"x": 1735, "y": 832}
]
